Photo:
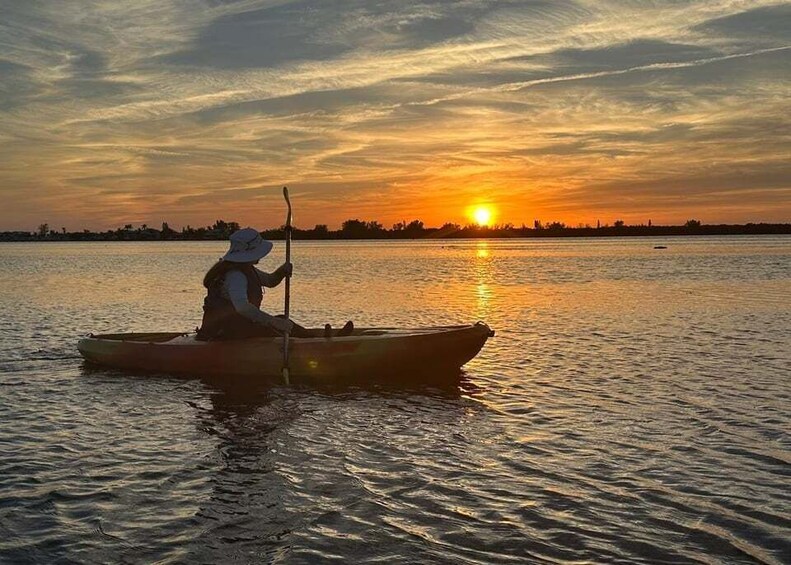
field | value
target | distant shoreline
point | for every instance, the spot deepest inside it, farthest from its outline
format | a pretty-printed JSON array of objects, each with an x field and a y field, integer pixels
[{"x": 373, "y": 231}]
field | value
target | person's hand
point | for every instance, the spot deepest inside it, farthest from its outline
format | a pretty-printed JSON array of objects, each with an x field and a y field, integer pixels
[
  {"x": 282, "y": 325},
  {"x": 287, "y": 269}
]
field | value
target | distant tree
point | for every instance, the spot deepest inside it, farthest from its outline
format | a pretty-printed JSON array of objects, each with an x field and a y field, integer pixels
[
  {"x": 128, "y": 227},
  {"x": 321, "y": 230},
  {"x": 43, "y": 230},
  {"x": 374, "y": 227},
  {"x": 222, "y": 228},
  {"x": 414, "y": 228},
  {"x": 692, "y": 224},
  {"x": 556, "y": 226},
  {"x": 618, "y": 224},
  {"x": 537, "y": 225},
  {"x": 357, "y": 229},
  {"x": 63, "y": 230},
  {"x": 353, "y": 229}
]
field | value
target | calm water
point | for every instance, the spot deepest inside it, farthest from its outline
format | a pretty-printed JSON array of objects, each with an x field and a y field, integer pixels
[{"x": 634, "y": 407}]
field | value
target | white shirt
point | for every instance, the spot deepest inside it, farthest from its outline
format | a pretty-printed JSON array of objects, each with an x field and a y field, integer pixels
[{"x": 234, "y": 288}]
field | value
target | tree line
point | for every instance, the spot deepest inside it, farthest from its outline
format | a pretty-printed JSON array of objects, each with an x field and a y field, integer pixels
[{"x": 415, "y": 229}]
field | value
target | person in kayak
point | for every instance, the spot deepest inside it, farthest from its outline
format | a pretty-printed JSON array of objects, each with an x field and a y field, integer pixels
[{"x": 232, "y": 307}]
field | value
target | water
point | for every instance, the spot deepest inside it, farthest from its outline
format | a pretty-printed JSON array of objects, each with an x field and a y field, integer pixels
[{"x": 633, "y": 407}]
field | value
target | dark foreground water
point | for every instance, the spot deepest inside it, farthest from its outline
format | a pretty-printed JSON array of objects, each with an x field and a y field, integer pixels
[{"x": 634, "y": 407}]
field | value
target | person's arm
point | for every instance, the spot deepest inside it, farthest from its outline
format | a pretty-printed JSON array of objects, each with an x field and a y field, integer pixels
[
  {"x": 271, "y": 280},
  {"x": 236, "y": 287}
]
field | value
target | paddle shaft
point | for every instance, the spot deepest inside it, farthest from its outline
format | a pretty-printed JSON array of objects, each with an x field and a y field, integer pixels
[{"x": 288, "y": 285}]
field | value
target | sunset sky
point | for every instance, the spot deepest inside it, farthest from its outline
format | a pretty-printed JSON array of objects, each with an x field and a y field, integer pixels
[{"x": 187, "y": 111}]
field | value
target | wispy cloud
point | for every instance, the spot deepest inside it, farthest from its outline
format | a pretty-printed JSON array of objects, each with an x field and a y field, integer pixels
[{"x": 568, "y": 109}]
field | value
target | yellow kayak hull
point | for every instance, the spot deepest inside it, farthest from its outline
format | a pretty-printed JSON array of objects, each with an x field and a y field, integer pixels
[{"x": 367, "y": 353}]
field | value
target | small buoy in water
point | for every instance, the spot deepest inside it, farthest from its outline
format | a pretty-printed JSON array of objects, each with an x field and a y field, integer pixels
[{"x": 660, "y": 247}]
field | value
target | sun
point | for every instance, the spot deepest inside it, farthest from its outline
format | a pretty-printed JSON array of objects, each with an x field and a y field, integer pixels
[{"x": 482, "y": 215}]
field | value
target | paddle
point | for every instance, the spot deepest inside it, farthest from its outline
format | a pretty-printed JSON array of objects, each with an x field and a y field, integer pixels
[{"x": 288, "y": 285}]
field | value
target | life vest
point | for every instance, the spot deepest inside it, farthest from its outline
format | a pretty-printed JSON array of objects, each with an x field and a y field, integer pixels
[{"x": 220, "y": 318}]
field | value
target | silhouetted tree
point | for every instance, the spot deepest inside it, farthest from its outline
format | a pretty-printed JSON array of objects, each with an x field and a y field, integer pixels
[
  {"x": 354, "y": 229},
  {"x": 222, "y": 228},
  {"x": 414, "y": 228},
  {"x": 374, "y": 227},
  {"x": 371, "y": 229}
]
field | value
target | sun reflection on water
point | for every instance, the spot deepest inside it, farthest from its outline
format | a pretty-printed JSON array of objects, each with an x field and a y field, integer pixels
[
  {"x": 483, "y": 276},
  {"x": 484, "y": 295}
]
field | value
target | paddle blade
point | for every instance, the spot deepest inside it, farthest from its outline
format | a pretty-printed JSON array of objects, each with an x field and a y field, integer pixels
[{"x": 288, "y": 202}]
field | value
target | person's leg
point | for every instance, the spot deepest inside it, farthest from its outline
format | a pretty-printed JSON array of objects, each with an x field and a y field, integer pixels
[
  {"x": 244, "y": 331},
  {"x": 297, "y": 330},
  {"x": 347, "y": 329}
]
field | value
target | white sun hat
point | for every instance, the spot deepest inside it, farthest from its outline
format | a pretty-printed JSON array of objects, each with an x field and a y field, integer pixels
[{"x": 247, "y": 245}]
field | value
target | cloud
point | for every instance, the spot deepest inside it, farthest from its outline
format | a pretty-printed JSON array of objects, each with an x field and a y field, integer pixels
[
  {"x": 395, "y": 110},
  {"x": 764, "y": 24},
  {"x": 317, "y": 30}
]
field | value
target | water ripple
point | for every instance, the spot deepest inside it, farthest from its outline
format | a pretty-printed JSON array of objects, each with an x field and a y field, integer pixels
[{"x": 633, "y": 408}]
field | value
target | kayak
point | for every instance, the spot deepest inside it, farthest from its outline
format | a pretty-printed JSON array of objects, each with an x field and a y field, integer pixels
[{"x": 367, "y": 352}]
